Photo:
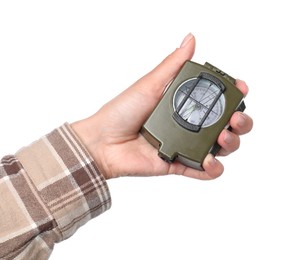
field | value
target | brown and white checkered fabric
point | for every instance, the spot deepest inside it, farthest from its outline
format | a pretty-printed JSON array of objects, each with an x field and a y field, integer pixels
[{"x": 47, "y": 191}]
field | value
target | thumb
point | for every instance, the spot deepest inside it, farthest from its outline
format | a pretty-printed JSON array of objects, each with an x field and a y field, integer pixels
[{"x": 156, "y": 80}]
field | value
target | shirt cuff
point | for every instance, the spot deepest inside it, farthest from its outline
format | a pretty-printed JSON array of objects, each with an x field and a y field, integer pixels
[{"x": 67, "y": 179}]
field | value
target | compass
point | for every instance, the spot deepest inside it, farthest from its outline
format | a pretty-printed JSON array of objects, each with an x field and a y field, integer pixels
[
  {"x": 198, "y": 102},
  {"x": 193, "y": 111}
]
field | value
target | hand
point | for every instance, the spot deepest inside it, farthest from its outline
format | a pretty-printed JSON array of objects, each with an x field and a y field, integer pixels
[{"x": 112, "y": 134}]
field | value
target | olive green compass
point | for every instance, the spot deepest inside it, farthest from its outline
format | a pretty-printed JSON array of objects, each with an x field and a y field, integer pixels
[{"x": 193, "y": 111}]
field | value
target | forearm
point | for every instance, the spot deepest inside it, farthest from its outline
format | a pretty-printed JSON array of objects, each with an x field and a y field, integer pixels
[{"x": 49, "y": 189}]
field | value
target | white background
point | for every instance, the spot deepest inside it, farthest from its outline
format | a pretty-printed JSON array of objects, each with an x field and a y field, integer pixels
[{"x": 62, "y": 60}]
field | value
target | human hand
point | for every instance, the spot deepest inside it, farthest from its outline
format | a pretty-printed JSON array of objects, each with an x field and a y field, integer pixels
[{"x": 112, "y": 134}]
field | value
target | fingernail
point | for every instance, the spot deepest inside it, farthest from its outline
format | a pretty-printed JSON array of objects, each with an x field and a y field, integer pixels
[
  {"x": 211, "y": 160},
  {"x": 241, "y": 119},
  {"x": 188, "y": 37},
  {"x": 227, "y": 137}
]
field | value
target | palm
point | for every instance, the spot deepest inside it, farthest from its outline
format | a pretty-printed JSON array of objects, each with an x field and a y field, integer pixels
[{"x": 126, "y": 114}]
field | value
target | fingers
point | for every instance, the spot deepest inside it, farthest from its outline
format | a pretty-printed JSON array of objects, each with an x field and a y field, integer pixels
[
  {"x": 241, "y": 123},
  {"x": 156, "y": 81},
  {"x": 228, "y": 141},
  {"x": 213, "y": 169},
  {"x": 242, "y": 86}
]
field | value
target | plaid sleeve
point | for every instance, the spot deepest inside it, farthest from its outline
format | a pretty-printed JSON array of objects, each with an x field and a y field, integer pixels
[{"x": 48, "y": 190}]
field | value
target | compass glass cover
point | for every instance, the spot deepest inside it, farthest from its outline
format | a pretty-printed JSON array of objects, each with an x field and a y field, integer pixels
[{"x": 199, "y": 102}]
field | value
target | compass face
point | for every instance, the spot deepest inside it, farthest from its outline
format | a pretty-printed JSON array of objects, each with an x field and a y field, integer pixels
[{"x": 198, "y": 102}]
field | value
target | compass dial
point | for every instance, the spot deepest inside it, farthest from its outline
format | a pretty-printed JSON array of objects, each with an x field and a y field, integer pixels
[{"x": 199, "y": 101}]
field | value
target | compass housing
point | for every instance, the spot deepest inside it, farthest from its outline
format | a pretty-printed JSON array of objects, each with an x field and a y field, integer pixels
[{"x": 193, "y": 111}]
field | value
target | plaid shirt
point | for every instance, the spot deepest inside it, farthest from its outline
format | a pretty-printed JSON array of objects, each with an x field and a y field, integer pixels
[{"x": 48, "y": 190}]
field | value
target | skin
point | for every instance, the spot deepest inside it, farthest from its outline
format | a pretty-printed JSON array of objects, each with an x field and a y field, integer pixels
[{"x": 112, "y": 135}]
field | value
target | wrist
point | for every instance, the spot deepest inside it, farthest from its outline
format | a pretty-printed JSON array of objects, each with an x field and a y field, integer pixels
[{"x": 88, "y": 133}]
